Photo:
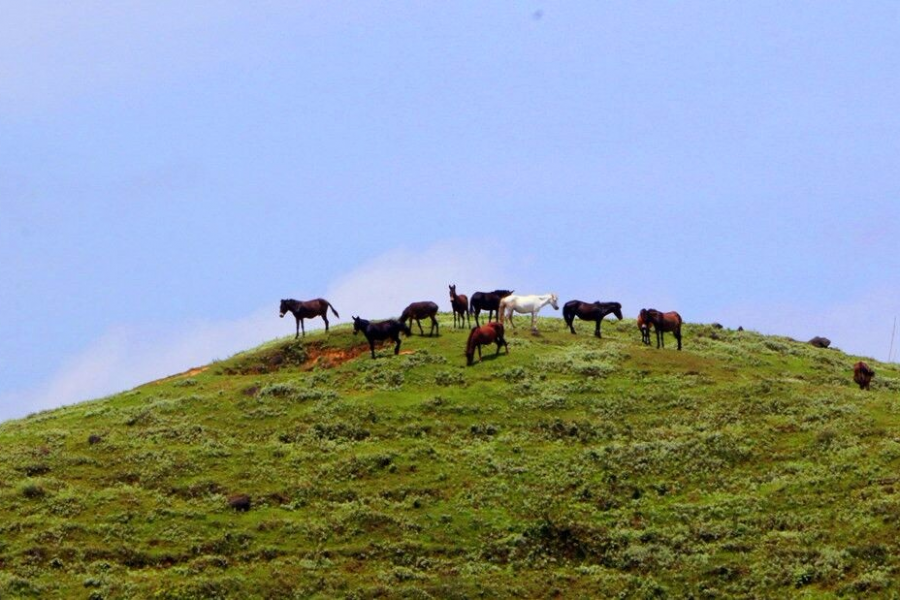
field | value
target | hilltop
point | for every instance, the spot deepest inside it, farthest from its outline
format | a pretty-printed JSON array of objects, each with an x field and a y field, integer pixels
[{"x": 743, "y": 466}]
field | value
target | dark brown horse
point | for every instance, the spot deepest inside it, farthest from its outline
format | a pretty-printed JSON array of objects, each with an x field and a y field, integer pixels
[
  {"x": 588, "y": 311},
  {"x": 489, "y": 301},
  {"x": 644, "y": 326},
  {"x": 460, "y": 304},
  {"x": 487, "y": 334},
  {"x": 421, "y": 310},
  {"x": 663, "y": 322},
  {"x": 378, "y": 332},
  {"x": 307, "y": 309},
  {"x": 863, "y": 374}
]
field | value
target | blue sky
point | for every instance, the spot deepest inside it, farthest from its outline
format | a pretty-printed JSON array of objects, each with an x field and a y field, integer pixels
[{"x": 169, "y": 171}]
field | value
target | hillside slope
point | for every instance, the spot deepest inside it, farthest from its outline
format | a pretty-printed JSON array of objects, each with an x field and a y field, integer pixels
[{"x": 574, "y": 467}]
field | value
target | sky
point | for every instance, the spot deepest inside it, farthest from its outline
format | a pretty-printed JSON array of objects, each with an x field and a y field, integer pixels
[{"x": 169, "y": 171}]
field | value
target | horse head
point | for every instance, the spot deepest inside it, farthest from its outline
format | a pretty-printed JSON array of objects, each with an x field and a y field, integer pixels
[
  {"x": 553, "y": 301},
  {"x": 357, "y": 325},
  {"x": 282, "y": 310},
  {"x": 617, "y": 310}
]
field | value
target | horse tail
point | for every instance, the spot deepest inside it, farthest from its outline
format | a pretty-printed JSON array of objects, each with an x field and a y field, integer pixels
[{"x": 332, "y": 309}]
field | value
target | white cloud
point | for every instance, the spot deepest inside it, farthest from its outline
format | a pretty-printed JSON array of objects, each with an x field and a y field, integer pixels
[
  {"x": 382, "y": 287},
  {"x": 127, "y": 356}
]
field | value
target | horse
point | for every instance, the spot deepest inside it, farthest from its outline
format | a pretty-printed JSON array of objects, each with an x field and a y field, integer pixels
[
  {"x": 421, "y": 310},
  {"x": 663, "y": 322},
  {"x": 863, "y": 374},
  {"x": 489, "y": 301},
  {"x": 526, "y": 304},
  {"x": 644, "y": 326},
  {"x": 587, "y": 311},
  {"x": 460, "y": 305},
  {"x": 378, "y": 332},
  {"x": 307, "y": 309},
  {"x": 486, "y": 334}
]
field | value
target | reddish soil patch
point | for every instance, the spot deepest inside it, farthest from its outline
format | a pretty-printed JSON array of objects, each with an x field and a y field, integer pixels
[
  {"x": 188, "y": 373},
  {"x": 331, "y": 357}
]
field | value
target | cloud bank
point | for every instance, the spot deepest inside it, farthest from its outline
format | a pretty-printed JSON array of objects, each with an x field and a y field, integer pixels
[{"x": 128, "y": 356}]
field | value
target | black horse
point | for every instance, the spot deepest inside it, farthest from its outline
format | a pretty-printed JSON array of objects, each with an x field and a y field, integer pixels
[
  {"x": 421, "y": 310},
  {"x": 378, "y": 332},
  {"x": 489, "y": 301},
  {"x": 587, "y": 311},
  {"x": 307, "y": 309}
]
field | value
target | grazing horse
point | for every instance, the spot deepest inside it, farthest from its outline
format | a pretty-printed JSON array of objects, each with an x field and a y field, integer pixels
[
  {"x": 421, "y": 310},
  {"x": 307, "y": 310},
  {"x": 460, "y": 304},
  {"x": 378, "y": 332},
  {"x": 663, "y": 322},
  {"x": 587, "y": 311},
  {"x": 644, "y": 326},
  {"x": 863, "y": 374},
  {"x": 526, "y": 304},
  {"x": 489, "y": 301},
  {"x": 486, "y": 334}
]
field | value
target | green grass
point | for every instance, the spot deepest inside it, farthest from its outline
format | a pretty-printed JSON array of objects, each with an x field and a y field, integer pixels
[{"x": 743, "y": 466}]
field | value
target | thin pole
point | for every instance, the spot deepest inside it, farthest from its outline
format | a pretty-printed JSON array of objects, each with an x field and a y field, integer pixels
[{"x": 893, "y": 331}]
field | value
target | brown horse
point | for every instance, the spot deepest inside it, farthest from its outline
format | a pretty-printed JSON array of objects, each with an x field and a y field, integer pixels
[
  {"x": 663, "y": 322},
  {"x": 421, "y": 310},
  {"x": 863, "y": 374},
  {"x": 460, "y": 304},
  {"x": 307, "y": 309},
  {"x": 590, "y": 311},
  {"x": 491, "y": 332},
  {"x": 644, "y": 326}
]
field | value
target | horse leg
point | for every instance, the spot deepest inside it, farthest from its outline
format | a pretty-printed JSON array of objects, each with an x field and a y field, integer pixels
[
  {"x": 597, "y": 329},
  {"x": 570, "y": 321},
  {"x": 479, "y": 351},
  {"x": 477, "y": 312},
  {"x": 302, "y": 328},
  {"x": 372, "y": 347},
  {"x": 325, "y": 318},
  {"x": 421, "y": 331},
  {"x": 434, "y": 325},
  {"x": 397, "y": 347},
  {"x": 678, "y": 337},
  {"x": 534, "y": 321},
  {"x": 297, "y": 334}
]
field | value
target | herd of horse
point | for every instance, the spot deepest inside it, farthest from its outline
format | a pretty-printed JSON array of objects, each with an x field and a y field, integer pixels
[{"x": 500, "y": 306}]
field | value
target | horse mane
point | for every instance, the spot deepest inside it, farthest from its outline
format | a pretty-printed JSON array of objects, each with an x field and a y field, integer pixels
[{"x": 470, "y": 343}]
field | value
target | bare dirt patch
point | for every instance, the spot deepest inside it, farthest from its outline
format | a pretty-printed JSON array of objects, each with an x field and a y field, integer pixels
[{"x": 188, "y": 373}]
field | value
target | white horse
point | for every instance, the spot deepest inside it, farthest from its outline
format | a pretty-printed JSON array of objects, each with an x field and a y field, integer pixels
[{"x": 526, "y": 304}]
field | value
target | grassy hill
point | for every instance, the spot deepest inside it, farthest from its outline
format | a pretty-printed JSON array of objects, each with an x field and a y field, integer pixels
[{"x": 743, "y": 466}]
